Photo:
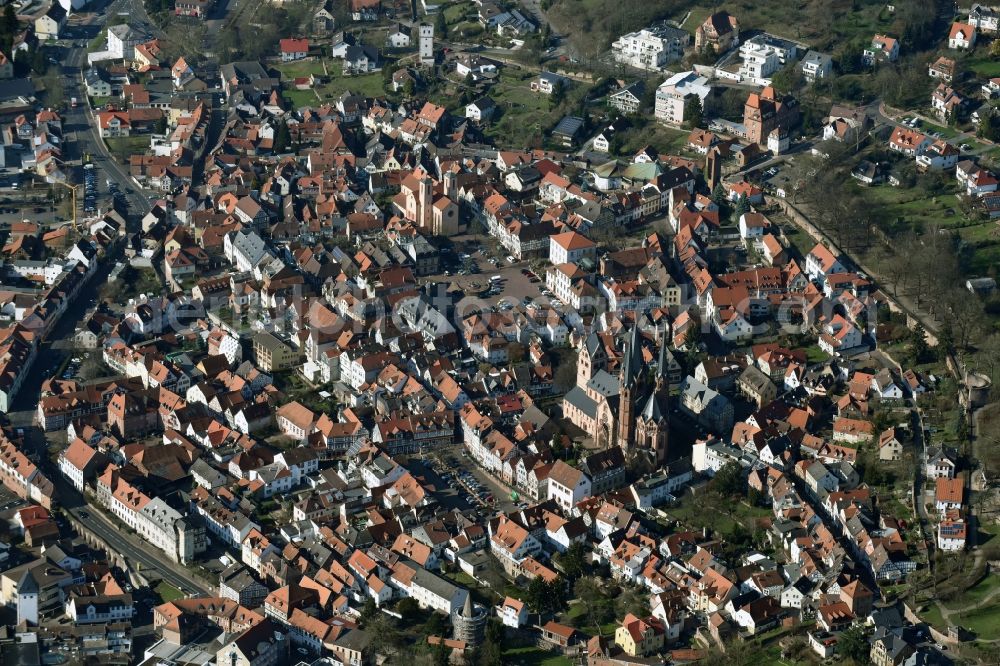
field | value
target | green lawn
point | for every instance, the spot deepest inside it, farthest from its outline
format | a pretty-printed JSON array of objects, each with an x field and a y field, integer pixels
[
  {"x": 533, "y": 656},
  {"x": 692, "y": 513},
  {"x": 984, "y": 621},
  {"x": 799, "y": 240},
  {"x": 480, "y": 593},
  {"x": 97, "y": 43},
  {"x": 301, "y": 98},
  {"x": 299, "y": 68},
  {"x": 523, "y": 114},
  {"x": 666, "y": 140},
  {"x": 916, "y": 205},
  {"x": 795, "y": 19},
  {"x": 123, "y": 146},
  {"x": 168, "y": 592},
  {"x": 944, "y": 130},
  {"x": 456, "y": 12},
  {"x": 983, "y": 64},
  {"x": 815, "y": 355},
  {"x": 978, "y": 592},
  {"x": 368, "y": 85}
]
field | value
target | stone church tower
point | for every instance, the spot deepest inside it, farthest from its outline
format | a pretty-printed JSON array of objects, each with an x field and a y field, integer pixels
[
  {"x": 630, "y": 382},
  {"x": 643, "y": 410},
  {"x": 651, "y": 426}
]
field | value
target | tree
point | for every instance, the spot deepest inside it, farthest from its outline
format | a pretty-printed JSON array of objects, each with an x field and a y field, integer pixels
[
  {"x": 692, "y": 337},
  {"x": 39, "y": 64},
  {"x": 383, "y": 636},
  {"x": 565, "y": 374},
  {"x": 490, "y": 654},
  {"x": 788, "y": 78},
  {"x": 588, "y": 591},
  {"x": 946, "y": 337},
  {"x": 693, "y": 113},
  {"x": 442, "y": 654},
  {"x": 556, "y": 597},
  {"x": 729, "y": 480},
  {"x": 368, "y": 611},
  {"x": 440, "y": 25},
  {"x": 742, "y": 206},
  {"x": 535, "y": 595},
  {"x": 434, "y": 625},
  {"x": 719, "y": 196},
  {"x": 9, "y": 25},
  {"x": 573, "y": 561},
  {"x": 282, "y": 137},
  {"x": 853, "y": 645},
  {"x": 918, "y": 345},
  {"x": 494, "y": 631},
  {"x": 558, "y": 95},
  {"x": 961, "y": 427},
  {"x": 161, "y": 125},
  {"x": 408, "y": 608}
]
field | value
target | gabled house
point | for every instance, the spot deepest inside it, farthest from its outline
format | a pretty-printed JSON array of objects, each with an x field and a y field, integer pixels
[
  {"x": 882, "y": 49},
  {"x": 293, "y": 49},
  {"x": 961, "y": 36}
]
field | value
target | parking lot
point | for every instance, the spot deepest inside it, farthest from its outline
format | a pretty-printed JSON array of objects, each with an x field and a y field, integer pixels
[
  {"x": 450, "y": 493},
  {"x": 476, "y": 272},
  {"x": 460, "y": 474},
  {"x": 9, "y": 502}
]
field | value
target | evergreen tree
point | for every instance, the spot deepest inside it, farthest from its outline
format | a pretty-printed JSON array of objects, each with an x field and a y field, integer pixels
[
  {"x": 729, "y": 480},
  {"x": 719, "y": 194},
  {"x": 946, "y": 338},
  {"x": 440, "y": 25},
  {"x": 573, "y": 560},
  {"x": 693, "y": 113},
  {"x": 918, "y": 344},
  {"x": 282, "y": 137},
  {"x": 742, "y": 206},
  {"x": 536, "y": 594},
  {"x": 558, "y": 95},
  {"x": 854, "y": 645},
  {"x": 39, "y": 65}
]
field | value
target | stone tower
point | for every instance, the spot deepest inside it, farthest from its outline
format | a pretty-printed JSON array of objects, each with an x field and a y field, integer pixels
[
  {"x": 469, "y": 623},
  {"x": 426, "y": 32},
  {"x": 425, "y": 202},
  {"x": 631, "y": 387},
  {"x": 450, "y": 184},
  {"x": 713, "y": 168},
  {"x": 652, "y": 423}
]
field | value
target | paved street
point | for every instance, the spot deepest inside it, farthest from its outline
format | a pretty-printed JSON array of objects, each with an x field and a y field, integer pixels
[
  {"x": 83, "y": 138},
  {"x": 83, "y": 141},
  {"x": 151, "y": 563}
]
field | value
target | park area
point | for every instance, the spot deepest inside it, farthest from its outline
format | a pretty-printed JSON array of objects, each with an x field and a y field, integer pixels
[{"x": 330, "y": 82}]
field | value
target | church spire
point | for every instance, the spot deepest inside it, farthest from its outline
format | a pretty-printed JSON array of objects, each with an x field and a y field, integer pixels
[
  {"x": 661, "y": 366},
  {"x": 632, "y": 363}
]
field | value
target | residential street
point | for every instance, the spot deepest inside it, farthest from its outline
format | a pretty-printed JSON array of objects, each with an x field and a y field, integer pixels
[{"x": 85, "y": 141}]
